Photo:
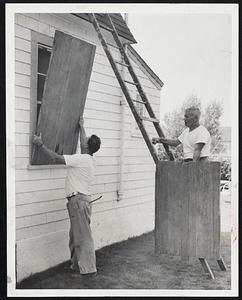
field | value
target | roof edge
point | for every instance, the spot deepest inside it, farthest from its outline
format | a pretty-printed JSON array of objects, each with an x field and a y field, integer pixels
[
  {"x": 150, "y": 73},
  {"x": 128, "y": 40}
]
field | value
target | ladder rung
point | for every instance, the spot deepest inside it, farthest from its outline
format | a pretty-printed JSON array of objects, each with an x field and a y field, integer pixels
[
  {"x": 142, "y": 102},
  {"x": 102, "y": 26},
  {"x": 121, "y": 63},
  {"x": 153, "y": 120},
  {"x": 111, "y": 45},
  {"x": 131, "y": 82}
]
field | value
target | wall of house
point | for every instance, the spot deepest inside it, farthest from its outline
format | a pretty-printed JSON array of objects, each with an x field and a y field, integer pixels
[{"x": 42, "y": 222}]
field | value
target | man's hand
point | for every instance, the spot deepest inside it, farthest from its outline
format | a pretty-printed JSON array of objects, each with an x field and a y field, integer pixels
[
  {"x": 81, "y": 121},
  {"x": 37, "y": 140}
]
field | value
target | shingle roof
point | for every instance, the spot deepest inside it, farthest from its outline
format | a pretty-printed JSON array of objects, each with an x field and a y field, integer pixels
[{"x": 118, "y": 21}]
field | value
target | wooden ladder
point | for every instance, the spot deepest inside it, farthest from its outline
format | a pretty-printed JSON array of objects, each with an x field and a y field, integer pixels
[{"x": 152, "y": 118}]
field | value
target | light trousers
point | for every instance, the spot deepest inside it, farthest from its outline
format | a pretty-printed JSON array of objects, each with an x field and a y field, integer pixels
[{"x": 81, "y": 242}]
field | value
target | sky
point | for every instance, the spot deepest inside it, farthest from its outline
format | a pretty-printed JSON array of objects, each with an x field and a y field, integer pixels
[{"x": 191, "y": 54}]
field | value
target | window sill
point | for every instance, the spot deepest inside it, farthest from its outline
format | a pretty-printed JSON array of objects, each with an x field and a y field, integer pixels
[{"x": 44, "y": 167}]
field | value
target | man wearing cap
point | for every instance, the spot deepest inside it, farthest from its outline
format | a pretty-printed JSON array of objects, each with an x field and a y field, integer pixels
[
  {"x": 195, "y": 138},
  {"x": 80, "y": 175}
]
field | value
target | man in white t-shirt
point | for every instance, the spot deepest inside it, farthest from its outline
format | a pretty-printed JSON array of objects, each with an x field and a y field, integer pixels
[
  {"x": 195, "y": 138},
  {"x": 80, "y": 175}
]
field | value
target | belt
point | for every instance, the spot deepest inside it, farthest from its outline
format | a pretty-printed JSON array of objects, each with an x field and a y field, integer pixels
[
  {"x": 188, "y": 159},
  {"x": 72, "y": 195},
  {"x": 77, "y": 193},
  {"x": 200, "y": 159}
]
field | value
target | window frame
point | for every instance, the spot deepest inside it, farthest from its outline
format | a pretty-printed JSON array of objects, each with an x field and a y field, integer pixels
[{"x": 36, "y": 39}]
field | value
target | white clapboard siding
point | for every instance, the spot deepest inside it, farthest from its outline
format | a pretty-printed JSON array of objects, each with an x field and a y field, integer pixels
[
  {"x": 22, "y": 68},
  {"x": 22, "y": 56},
  {"x": 30, "y": 221},
  {"x": 43, "y": 229},
  {"x": 22, "y": 91},
  {"x": 38, "y": 185},
  {"x": 22, "y": 175},
  {"x": 111, "y": 178},
  {"x": 126, "y": 202},
  {"x": 22, "y": 80},
  {"x": 22, "y": 127},
  {"x": 134, "y": 184},
  {"x": 93, "y": 113},
  {"x": 22, "y": 103},
  {"x": 103, "y": 106},
  {"x": 22, "y": 32},
  {"x": 22, "y": 44},
  {"x": 40, "y": 207},
  {"x": 21, "y": 151},
  {"x": 40, "y": 194},
  {"x": 22, "y": 139},
  {"x": 21, "y": 163},
  {"x": 104, "y": 96},
  {"x": 22, "y": 115},
  {"x": 102, "y": 161}
]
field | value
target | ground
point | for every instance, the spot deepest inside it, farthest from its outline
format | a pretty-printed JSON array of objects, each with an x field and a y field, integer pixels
[{"x": 133, "y": 264}]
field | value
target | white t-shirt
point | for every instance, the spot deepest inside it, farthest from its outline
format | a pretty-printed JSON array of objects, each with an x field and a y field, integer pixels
[
  {"x": 190, "y": 138},
  {"x": 80, "y": 173}
]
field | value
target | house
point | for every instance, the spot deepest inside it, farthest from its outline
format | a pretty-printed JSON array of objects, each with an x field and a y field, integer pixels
[{"x": 125, "y": 169}]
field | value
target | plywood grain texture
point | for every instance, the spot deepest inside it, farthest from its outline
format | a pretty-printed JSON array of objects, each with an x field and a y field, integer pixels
[
  {"x": 187, "y": 213},
  {"x": 64, "y": 95}
]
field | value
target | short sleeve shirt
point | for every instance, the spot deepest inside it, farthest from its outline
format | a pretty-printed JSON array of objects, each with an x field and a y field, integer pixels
[
  {"x": 80, "y": 173},
  {"x": 190, "y": 138}
]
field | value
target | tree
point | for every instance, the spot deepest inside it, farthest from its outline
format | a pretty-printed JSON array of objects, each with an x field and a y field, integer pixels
[
  {"x": 174, "y": 124},
  {"x": 211, "y": 120}
]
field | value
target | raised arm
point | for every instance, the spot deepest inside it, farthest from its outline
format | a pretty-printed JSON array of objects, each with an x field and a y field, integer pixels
[
  {"x": 83, "y": 137},
  {"x": 54, "y": 157},
  {"x": 169, "y": 142}
]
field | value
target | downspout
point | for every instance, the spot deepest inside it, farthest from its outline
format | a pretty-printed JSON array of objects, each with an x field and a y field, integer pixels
[{"x": 122, "y": 133}]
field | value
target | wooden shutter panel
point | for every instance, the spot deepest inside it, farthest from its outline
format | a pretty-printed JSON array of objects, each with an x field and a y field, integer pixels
[{"x": 64, "y": 95}]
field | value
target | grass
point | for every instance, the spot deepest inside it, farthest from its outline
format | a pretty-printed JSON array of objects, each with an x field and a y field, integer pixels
[{"x": 133, "y": 264}]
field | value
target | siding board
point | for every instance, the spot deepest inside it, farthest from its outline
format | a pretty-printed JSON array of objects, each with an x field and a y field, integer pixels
[
  {"x": 22, "y": 56},
  {"x": 22, "y": 32},
  {"x": 22, "y": 80},
  {"x": 38, "y": 185},
  {"x": 30, "y": 221},
  {"x": 22, "y": 127},
  {"x": 22, "y": 151},
  {"x": 22, "y": 92},
  {"x": 39, "y": 196},
  {"x": 40, "y": 207},
  {"x": 22, "y": 68},
  {"x": 22, "y": 115},
  {"x": 22, "y": 44}
]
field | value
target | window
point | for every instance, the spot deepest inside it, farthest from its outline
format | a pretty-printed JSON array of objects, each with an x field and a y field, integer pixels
[
  {"x": 44, "y": 53},
  {"x": 58, "y": 91},
  {"x": 41, "y": 46}
]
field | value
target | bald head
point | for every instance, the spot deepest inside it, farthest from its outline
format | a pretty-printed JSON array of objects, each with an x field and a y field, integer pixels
[
  {"x": 191, "y": 117},
  {"x": 195, "y": 111}
]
